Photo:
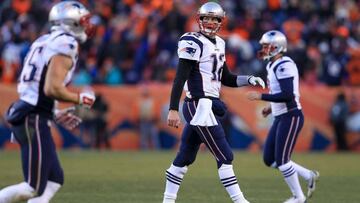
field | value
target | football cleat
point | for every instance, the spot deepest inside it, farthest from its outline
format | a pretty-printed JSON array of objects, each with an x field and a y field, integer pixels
[
  {"x": 312, "y": 183},
  {"x": 243, "y": 200},
  {"x": 295, "y": 199}
]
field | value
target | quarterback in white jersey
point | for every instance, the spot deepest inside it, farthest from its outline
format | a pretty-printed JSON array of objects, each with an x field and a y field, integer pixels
[
  {"x": 47, "y": 69},
  {"x": 283, "y": 79},
  {"x": 210, "y": 55},
  {"x": 201, "y": 71}
]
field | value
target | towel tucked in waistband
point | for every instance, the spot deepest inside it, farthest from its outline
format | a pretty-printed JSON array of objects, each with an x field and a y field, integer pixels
[{"x": 204, "y": 115}]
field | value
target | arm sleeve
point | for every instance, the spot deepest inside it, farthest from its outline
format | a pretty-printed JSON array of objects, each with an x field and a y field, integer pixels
[
  {"x": 228, "y": 79},
  {"x": 286, "y": 94},
  {"x": 182, "y": 74}
]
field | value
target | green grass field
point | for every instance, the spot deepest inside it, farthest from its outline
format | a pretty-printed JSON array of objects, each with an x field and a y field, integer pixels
[{"x": 138, "y": 177}]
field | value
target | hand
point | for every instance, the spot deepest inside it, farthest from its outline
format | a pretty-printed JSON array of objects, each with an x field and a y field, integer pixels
[
  {"x": 256, "y": 81},
  {"x": 86, "y": 99},
  {"x": 266, "y": 111},
  {"x": 252, "y": 95},
  {"x": 173, "y": 119},
  {"x": 67, "y": 118}
]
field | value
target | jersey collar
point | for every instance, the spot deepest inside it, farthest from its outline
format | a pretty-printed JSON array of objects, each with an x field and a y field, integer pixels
[{"x": 213, "y": 40}]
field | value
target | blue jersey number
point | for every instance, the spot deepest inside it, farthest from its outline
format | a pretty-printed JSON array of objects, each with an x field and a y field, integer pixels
[
  {"x": 217, "y": 73},
  {"x": 29, "y": 77}
]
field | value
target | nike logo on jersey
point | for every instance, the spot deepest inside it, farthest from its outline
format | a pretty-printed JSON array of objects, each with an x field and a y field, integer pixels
[{"x": 190, "y": 43}]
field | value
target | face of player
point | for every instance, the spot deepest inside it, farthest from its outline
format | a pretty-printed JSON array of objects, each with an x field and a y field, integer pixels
[
  {"x": 265, "y": 52},
  {"x": 210, "y": 25}
]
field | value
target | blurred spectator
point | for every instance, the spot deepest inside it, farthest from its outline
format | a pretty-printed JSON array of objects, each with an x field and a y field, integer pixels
[
  {"x": 81, "y": 77},
  {"x": 353, "y": 67},
  {"x": 338, "y": 115},
  {"x": 100, "y": 108},
  {"x": 354, "y": 117},
  {"x": 113, "y": 74},
  {"x": 149, "y": 138},
  {"x": 93, "y": 129}
]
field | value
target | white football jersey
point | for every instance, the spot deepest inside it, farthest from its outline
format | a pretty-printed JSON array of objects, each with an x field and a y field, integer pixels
[
  {"x": 281, "y": 69},
  {"x": 32, "y": 78},
  {"x": 205, "y": 79}
]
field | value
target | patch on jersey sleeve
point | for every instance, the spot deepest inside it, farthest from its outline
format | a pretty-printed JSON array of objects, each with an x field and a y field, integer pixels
[
  {"x": 188, "y": 50},
  {"x": 65, "y": 45},
  {"x": 71, "y": 46},
  {"x": 286, "y": 70}
]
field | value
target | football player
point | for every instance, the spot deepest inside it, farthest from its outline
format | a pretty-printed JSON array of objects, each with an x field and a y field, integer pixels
[
  {"x": 47, "y": 69},
  {"x": 202, "y": 68},
  {"x": 284, "y": 98}
]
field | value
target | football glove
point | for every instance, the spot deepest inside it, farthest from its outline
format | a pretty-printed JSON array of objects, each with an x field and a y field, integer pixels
[
  {"x": 67, "y": 118},
  {"x": 86, "y": 99},
  {"x": 256, "y": 81}
]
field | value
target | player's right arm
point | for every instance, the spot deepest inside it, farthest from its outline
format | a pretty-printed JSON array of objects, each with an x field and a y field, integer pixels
[
  {"x": 189, "y": 51},
  {"x": 58, "y": 68},
  {"x": 182, "y": 74},
  {"x": 62, "y": 52}
]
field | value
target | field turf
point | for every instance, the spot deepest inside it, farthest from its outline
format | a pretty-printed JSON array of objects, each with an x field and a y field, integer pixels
[{"x": 138, "y": 177}]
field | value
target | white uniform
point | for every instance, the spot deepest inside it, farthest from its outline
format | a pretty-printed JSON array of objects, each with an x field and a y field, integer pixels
[
  {"x": 281, "y": 69},
  {"x": 205, "y": 80},
  {"x": 32, "y": 78}
]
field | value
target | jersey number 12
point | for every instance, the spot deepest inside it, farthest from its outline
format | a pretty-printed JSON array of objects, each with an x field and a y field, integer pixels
[{"x": 217, "y": 73}]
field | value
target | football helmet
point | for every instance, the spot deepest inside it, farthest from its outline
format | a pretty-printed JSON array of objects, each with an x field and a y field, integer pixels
[
  {"x": 73, "y": 18},
  {"x": 210, "y": 9},
  {"x": 273, "y": 42}
]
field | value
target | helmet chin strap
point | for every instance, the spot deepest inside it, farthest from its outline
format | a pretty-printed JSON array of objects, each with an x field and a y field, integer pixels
[
  {"x": 274, "y": 58},
  {"x": 207, "y": 31},
  {"x": 82, "y": 37},
  {"x": 208, "y": 34}
]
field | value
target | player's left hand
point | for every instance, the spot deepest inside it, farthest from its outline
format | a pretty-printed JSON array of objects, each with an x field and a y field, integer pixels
[
  {"x": 67, "y": 118},
  {"x": 252, "y": 95},
  {"x": 256, "y": 81}
]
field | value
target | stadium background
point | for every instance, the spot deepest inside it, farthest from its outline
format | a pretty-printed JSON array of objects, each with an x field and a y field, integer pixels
[{"x": 133, "y": 58}]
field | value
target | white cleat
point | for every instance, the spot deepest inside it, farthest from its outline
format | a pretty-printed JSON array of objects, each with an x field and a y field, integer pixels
[
  {"x": 296, "y": 200},
  {"x": 16, "y": 193},
  {"x": 312, "y": 183},
  {"x": 241, "y": 201},
  {"x": 168, "y": 200}
]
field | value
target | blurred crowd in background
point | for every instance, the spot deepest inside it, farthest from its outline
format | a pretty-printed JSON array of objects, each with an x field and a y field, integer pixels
[{"x": 136, "y": 40}]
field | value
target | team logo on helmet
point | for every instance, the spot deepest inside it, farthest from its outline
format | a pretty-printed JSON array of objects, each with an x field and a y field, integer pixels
[
  {"x": 273, "y": 42},
  {"x": 73, "y": 18}
]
